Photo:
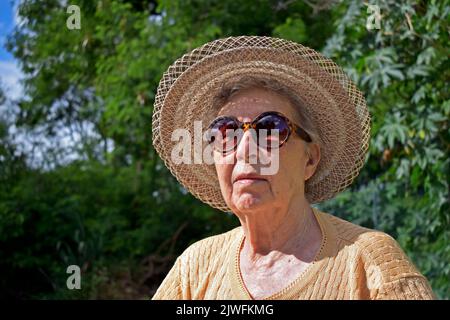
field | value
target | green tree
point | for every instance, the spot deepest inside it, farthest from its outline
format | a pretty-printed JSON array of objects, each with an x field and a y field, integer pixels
[{"x": 404, "y": 69}]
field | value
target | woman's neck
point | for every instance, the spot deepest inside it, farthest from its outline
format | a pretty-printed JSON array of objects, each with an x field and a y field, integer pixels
[{"x": 271, "y": 230}]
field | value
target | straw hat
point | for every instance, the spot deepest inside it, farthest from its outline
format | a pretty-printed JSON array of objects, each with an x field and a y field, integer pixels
[{"x": 337, "y": 108}]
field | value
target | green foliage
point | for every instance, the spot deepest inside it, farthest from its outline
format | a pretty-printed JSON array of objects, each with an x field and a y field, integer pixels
[
  {"x": 119, "y": 214},
  {"x": 404, "y": 68}
]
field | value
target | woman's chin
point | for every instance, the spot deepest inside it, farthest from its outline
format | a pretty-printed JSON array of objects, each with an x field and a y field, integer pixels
[{"x": 248, "y": 201}]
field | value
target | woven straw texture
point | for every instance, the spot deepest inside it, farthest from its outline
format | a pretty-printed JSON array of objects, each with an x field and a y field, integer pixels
[{"x": 337, "y": 108}]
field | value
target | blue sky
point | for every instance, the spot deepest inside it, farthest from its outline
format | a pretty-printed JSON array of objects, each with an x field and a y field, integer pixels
[
  {"x": 9, "y": 71},
  {"x": 6, "y": 25}
]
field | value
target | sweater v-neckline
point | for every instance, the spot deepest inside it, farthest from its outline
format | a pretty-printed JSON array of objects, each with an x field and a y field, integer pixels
[{"x": 238, "y": 286}]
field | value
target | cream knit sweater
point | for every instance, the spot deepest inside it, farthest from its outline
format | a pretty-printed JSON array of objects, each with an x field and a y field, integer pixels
[{"x": 352, "y": 263}]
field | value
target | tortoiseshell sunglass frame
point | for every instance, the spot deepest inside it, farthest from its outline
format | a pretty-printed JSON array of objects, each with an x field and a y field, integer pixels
[{"x": 292, "y": 127}]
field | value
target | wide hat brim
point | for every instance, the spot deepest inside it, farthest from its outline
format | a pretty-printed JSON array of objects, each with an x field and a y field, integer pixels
[{"x": 337, "y": 108}]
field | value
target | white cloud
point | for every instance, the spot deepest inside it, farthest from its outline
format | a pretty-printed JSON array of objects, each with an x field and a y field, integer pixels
[{"x": 10, "y": 76}]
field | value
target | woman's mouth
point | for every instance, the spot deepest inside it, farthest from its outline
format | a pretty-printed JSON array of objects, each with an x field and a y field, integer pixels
[{"x": 248, "y": 179}]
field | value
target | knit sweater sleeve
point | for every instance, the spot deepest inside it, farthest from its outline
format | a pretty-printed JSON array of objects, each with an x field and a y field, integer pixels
[
  {"x": 170, "y": 288},
  {"x": 406, "y": 288},
  {"x": 390, "y": 273}
]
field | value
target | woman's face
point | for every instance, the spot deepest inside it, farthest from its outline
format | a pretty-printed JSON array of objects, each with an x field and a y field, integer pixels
[{"x": 245, "y": 193}]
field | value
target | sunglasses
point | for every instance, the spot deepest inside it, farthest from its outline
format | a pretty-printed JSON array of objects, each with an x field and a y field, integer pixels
[{"x": 226, "y": 131}]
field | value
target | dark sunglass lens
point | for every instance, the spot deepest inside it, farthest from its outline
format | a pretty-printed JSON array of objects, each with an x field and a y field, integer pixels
[
  {"x": 274, "y": 124},
  {"x": 220, "y": 127},
  {"x": 222, "y": 133}
]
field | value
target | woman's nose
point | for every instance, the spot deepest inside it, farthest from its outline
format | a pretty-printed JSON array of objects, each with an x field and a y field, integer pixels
[{"x": 247, "y": 147}]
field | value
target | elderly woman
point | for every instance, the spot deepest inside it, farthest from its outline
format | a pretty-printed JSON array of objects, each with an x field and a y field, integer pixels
[{"x": 310, "y": 127}]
